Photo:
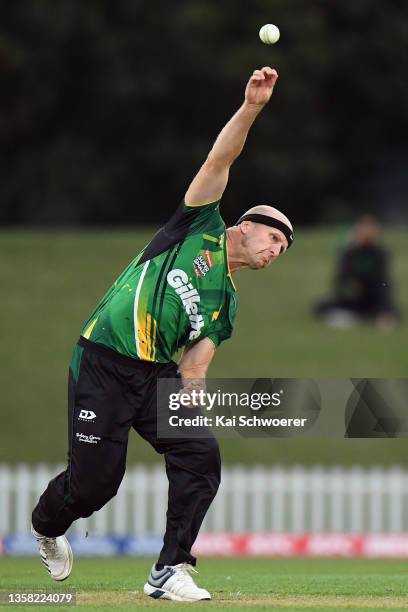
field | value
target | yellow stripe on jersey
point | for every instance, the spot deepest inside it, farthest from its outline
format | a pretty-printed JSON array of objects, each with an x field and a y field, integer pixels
[
  {"x": 146, "y": 331},
  {"x": 215, "y": 315},
  {"x": 153, "y": 338},
  {"x": 142, "y": 336},
  {"x": 89, "y": 329},
  {"x": 228, "y": 265}
]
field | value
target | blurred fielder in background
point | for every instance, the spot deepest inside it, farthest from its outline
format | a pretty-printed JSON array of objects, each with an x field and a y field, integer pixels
[
  {"x": 178, "y": 292},
  {"x": 362, "y": 290}
]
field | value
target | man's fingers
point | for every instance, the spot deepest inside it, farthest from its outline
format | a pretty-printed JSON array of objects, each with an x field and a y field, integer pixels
[
  {"x": 187, "y": 400},
  {"x": 256, "y": 79},
  {"x": 268, "y": 71}
]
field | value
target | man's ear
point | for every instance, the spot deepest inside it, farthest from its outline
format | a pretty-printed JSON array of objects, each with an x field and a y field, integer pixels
[{"x": 244, "y": 226}]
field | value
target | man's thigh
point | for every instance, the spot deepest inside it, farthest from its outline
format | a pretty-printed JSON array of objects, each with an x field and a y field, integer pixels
[{"x": 100, "y": 416}]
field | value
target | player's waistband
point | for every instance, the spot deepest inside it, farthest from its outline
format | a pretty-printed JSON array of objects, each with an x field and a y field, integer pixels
[{"x": 113, "y": 355}]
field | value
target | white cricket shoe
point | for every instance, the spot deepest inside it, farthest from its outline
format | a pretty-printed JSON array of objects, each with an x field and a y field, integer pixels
[
  {"x": 174, "y": 582},
  {"x": 56, "y": 555}
]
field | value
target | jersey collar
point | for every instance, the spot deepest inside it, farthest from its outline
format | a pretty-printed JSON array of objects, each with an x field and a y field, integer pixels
[{"x": 227, "y": 264}]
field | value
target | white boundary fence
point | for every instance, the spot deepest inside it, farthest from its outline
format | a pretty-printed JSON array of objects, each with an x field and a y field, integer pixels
[{"x": 281, "y": 500}]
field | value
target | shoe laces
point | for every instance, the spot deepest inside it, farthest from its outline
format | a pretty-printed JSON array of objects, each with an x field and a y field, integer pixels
[
  {"x": 49, "y": 546},
  {"x": 183, "y": 571}
]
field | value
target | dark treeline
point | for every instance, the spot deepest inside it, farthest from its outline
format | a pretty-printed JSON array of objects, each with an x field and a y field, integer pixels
[{"x": 108, "y": 107}]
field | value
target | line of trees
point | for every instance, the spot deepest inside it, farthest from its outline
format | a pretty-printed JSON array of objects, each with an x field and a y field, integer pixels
[{"x": 108, "y": 107}]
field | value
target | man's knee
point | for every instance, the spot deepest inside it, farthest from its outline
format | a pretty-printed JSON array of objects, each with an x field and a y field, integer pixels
[
  {"x": 207, "y": 460},
  {"x": 215, "y": 450},
  {"x": 90, "y": 498}
]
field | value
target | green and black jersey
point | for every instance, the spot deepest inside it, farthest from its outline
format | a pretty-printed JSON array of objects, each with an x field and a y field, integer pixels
[{"x": 177, "y": 291}]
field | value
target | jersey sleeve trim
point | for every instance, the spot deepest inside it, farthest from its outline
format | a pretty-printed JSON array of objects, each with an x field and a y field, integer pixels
[
  {"x": 199, "y": 205},
  {"x": 214, "y": 339}
]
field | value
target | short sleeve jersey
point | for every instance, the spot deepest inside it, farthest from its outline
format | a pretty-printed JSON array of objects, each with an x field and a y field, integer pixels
[{"x": 177, "y": 291}]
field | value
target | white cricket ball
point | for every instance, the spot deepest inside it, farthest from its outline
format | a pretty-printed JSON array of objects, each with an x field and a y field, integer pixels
[{"x": 269, "y": 34}]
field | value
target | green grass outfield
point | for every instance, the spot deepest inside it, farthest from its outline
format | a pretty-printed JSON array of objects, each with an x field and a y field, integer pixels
[
  {"x": 243, "y": 584},
  {"x": 51, "y": 281}
]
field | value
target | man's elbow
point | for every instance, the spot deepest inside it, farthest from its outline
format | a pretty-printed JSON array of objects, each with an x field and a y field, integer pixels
[{"x": 216, "y": 164}]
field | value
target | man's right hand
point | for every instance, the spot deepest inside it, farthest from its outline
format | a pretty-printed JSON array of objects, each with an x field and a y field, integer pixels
[{"x": 260, "y": 86}]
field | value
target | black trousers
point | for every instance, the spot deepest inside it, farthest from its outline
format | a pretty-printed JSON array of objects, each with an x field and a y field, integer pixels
[{"x": 111, "y": 394}]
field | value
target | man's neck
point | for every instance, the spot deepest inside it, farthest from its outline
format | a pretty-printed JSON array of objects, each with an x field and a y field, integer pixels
[{"x": 236, "y": 258}]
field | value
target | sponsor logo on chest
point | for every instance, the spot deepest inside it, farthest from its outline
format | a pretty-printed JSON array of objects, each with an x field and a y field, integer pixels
[
  {"x": 202, "y": 265},
  {"x": 190, "y": 298}
]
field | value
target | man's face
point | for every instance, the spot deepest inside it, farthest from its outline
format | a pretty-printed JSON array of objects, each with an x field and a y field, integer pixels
[
  {"x": 262, "y": 244},
  {"x": 367, "y": 231}
]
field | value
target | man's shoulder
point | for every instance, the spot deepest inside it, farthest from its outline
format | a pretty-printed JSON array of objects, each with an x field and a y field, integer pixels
[
  {"x": 185, "y": 223},
  {"x": 199, "y": 218}
]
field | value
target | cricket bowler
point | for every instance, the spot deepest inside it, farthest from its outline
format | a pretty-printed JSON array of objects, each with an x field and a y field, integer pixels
[{"x": 178, "y": 292}]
